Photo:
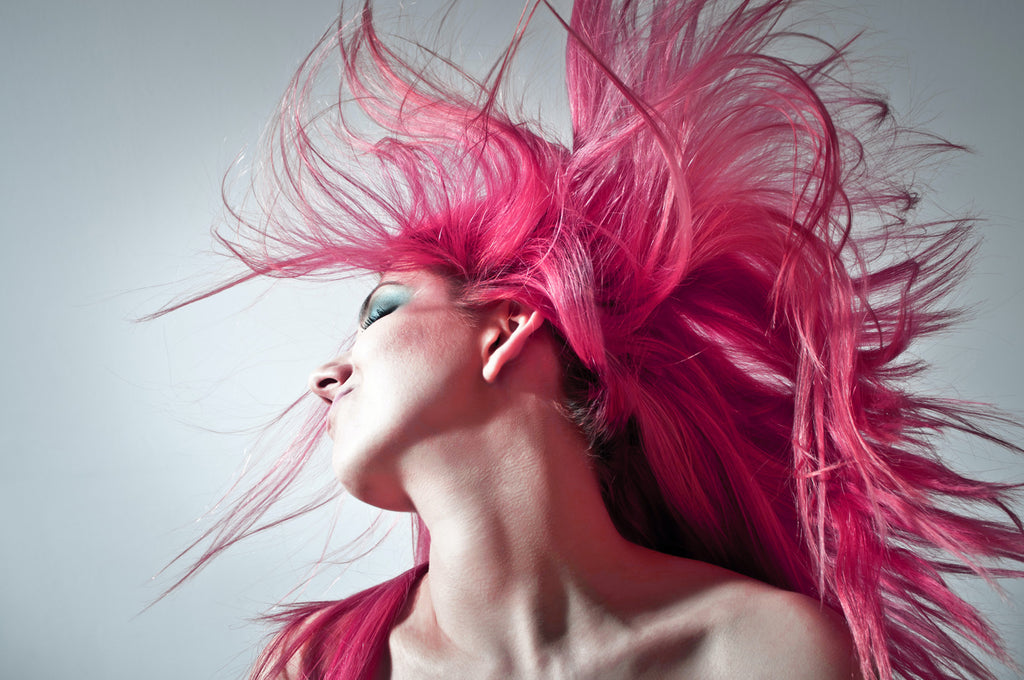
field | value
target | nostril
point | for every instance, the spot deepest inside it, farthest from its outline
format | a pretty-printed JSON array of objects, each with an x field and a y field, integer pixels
[
  {"x": 326, "y": 380},
  {"x": 325, "y": 383}
]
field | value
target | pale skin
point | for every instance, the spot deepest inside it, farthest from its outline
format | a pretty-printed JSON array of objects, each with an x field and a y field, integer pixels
[{"x": 458, "y": 419}]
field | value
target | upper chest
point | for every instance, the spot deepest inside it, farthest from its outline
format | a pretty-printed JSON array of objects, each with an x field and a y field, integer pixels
[{"x": 656, "y": 648}]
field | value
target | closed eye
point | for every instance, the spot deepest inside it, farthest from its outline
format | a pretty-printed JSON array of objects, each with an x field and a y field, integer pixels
[
  {"x": 385, "y": 298},
  {"x": 375, "y": 313}
]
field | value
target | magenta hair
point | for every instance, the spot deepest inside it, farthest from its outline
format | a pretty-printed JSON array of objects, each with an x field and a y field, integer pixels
[{"x": 728, "y": 250}]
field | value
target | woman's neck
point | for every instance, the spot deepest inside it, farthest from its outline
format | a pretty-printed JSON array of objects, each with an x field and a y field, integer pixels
[{"x": 523, "y": 552}]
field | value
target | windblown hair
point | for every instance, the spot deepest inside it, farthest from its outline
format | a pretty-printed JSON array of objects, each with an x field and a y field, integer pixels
[{"x": 726, "y": 251}]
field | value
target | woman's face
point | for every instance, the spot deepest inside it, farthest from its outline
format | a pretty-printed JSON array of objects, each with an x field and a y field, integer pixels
[{"x": 408, "y": 387}]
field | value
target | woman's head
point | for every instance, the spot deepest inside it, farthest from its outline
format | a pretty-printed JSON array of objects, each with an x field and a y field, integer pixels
[{"x": 428, "y": 383}]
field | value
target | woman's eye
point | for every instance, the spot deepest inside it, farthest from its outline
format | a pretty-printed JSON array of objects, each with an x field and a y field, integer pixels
[
  {"x": 376, "y": 312},
  {"x": 383, "y": 302}
]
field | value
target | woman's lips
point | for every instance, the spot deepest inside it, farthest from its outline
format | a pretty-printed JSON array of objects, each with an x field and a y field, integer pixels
[{"x": 330, "y": 412}]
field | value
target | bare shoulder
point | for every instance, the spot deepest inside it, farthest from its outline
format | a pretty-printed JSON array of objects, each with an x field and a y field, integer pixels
[
  {"x": 765, "y": 632},
  {"x": 713, "y": 623}
]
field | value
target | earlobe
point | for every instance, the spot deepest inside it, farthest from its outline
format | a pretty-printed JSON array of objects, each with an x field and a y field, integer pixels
[{"x": 508, "y": 330}]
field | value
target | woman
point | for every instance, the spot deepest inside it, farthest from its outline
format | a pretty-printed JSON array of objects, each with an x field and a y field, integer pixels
[
  {"x": 460, "y": 419},
  {"x": 647, "y": 391}
]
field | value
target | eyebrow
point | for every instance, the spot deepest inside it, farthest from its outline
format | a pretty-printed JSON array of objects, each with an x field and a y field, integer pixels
[{"x": 365, "y": 307}]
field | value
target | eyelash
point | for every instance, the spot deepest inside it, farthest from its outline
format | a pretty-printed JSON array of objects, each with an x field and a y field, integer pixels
[{"x": 376, "y": 312}]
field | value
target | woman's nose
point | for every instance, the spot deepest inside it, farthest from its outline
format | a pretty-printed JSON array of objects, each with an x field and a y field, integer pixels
[{"x": 328, "y": 379}]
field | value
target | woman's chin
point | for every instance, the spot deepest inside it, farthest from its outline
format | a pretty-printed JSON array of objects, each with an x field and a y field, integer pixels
[{"x": 375, "y": 487}]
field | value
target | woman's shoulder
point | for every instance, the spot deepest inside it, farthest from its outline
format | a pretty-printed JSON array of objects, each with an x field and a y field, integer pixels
[
  {"x": 772, "y": 633},
  {"x": 727, "y": 625}
]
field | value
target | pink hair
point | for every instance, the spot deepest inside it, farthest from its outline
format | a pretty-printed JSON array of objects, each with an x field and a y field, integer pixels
[{"x": 727, "y": 252}]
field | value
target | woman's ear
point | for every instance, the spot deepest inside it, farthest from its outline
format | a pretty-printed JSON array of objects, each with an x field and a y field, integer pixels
[{"x": 506, "y": 329}]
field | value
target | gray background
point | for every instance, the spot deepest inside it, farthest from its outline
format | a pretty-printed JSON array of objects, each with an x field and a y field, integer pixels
[{"x": 118, "y": 120}]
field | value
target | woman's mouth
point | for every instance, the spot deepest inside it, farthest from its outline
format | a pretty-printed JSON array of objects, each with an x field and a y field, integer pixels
[{"x": 330, "y": 412}]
